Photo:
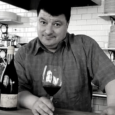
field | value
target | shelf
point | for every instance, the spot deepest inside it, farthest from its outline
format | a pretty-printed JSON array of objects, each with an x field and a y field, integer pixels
[
  {"x": 106, "y": 15},
  {"x": 19, "y": 21},
  {"x": 3, "y": 47},
  {"x": 10, "y": 22},
  {"x": 106, "y": 49},
  {"x": 98, "y": 94}
]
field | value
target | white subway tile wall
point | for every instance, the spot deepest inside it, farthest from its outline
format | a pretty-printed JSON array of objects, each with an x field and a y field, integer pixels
[{"x": 84, "y": 20}]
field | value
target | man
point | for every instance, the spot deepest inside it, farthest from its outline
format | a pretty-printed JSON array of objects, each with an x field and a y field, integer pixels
[{"x": 80, "y": 57}]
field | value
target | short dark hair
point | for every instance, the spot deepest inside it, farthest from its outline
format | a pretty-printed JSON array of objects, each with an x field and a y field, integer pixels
[{"x": 55, "y": 7}]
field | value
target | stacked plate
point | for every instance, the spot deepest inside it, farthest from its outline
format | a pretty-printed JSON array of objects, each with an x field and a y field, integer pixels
[
  {"x": 111, "y": 43},
  {"x": 109, "y": 6},
  {"x": 8, "y": 15}
]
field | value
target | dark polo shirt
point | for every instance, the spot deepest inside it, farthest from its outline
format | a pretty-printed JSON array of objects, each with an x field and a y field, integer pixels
[{"x": 82, "y": 62}]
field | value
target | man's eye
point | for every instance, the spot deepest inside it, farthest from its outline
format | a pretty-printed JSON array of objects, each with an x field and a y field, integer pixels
[
  {"x": 43, "y": 22},
  {"x": 57, "y": 24}
]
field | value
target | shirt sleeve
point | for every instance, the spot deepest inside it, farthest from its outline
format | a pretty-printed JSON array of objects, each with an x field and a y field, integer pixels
[
  {"x": 19, "y": 61},
  {"x": 101, "y": 68}
]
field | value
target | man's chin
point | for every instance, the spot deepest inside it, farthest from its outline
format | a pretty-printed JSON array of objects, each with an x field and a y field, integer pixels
[{"x": 51, "y": 46}]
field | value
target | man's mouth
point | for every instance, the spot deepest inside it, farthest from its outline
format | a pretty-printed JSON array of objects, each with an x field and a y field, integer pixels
[{"x": 49, "y": 38}]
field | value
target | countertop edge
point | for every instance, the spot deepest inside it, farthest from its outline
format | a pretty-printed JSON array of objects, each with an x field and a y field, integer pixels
[{"x": 99, "y": 94}]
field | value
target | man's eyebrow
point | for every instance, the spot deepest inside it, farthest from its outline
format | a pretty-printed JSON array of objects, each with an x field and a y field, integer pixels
[
  {"x": 58, "y": 21},
  {"x": 42, "y": 18}
]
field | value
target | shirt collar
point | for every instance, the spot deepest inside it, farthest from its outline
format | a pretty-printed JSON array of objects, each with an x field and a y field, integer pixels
[
  {"x": 35, "y": 46},
  {"x": 39, "y": 47}
]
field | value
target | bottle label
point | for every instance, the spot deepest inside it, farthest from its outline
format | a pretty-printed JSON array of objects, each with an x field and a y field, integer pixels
[{"x": 8, "y": 100}]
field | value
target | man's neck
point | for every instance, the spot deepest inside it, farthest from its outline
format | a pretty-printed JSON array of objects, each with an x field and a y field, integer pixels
[{"x": 52, "y": 49}]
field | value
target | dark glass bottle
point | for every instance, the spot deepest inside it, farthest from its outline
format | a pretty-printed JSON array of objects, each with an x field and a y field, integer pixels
[{"x": 9, "y": 83}]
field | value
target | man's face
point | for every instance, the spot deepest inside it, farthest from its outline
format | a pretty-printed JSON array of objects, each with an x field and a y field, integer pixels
[{"x": 51, "y": 29}]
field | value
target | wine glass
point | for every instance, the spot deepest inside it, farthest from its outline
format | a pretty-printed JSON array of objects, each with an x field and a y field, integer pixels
[{"x": 52, "y": 79}]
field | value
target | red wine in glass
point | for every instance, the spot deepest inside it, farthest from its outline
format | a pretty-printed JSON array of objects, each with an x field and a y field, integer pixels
[
  {"x": 51, "y": 90},
  {"x": 52, "y": 79}
]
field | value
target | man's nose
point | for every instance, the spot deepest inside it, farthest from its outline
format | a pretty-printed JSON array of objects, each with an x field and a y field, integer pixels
[{"x": 49, "y": 29}]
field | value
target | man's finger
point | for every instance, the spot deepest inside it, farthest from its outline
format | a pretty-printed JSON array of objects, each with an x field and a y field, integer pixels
[
  {"x": 35, "y": 112},
  {"x": 46, "y": 109},
  {"x": 48, "y": 103},
  {"x": 41, "y": 111}
]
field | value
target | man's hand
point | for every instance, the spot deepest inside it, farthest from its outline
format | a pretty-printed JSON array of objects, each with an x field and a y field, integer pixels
[
  {"x": 109, "y": 111},
  {"x": 43, "y": 106}
]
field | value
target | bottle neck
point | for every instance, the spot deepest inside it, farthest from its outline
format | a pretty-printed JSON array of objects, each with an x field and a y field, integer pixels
[
  {"x": 10, "y": 54},
  {"x": 10, "y": 57}
]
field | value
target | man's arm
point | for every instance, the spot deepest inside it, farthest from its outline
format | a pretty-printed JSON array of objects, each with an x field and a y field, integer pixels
[
  {"x": 110, "y": 90},
  {"x": 38, "y": 105},
  {"x": 26, "y": 99}
]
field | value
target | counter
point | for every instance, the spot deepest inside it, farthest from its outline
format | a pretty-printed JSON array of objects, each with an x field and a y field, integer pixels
[
  {"x": 57, "y": 112},
  {"x": 99, "y": 94},
  {"x": 99, "y": 101}
]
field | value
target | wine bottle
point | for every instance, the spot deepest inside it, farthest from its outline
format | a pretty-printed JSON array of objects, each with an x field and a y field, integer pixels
[{"x": 9, "y": 83}]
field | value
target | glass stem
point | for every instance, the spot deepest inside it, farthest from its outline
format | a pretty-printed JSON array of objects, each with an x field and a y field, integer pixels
[{"x": 51, "y": 98}]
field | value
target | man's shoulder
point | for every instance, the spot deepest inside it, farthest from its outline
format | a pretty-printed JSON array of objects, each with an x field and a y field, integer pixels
[
  {"x": 81, "y": 39},
  {"x": 29, "y": 47},
  {"x": 32, "y": 42},
  {"x": 82, "y": 44}
]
